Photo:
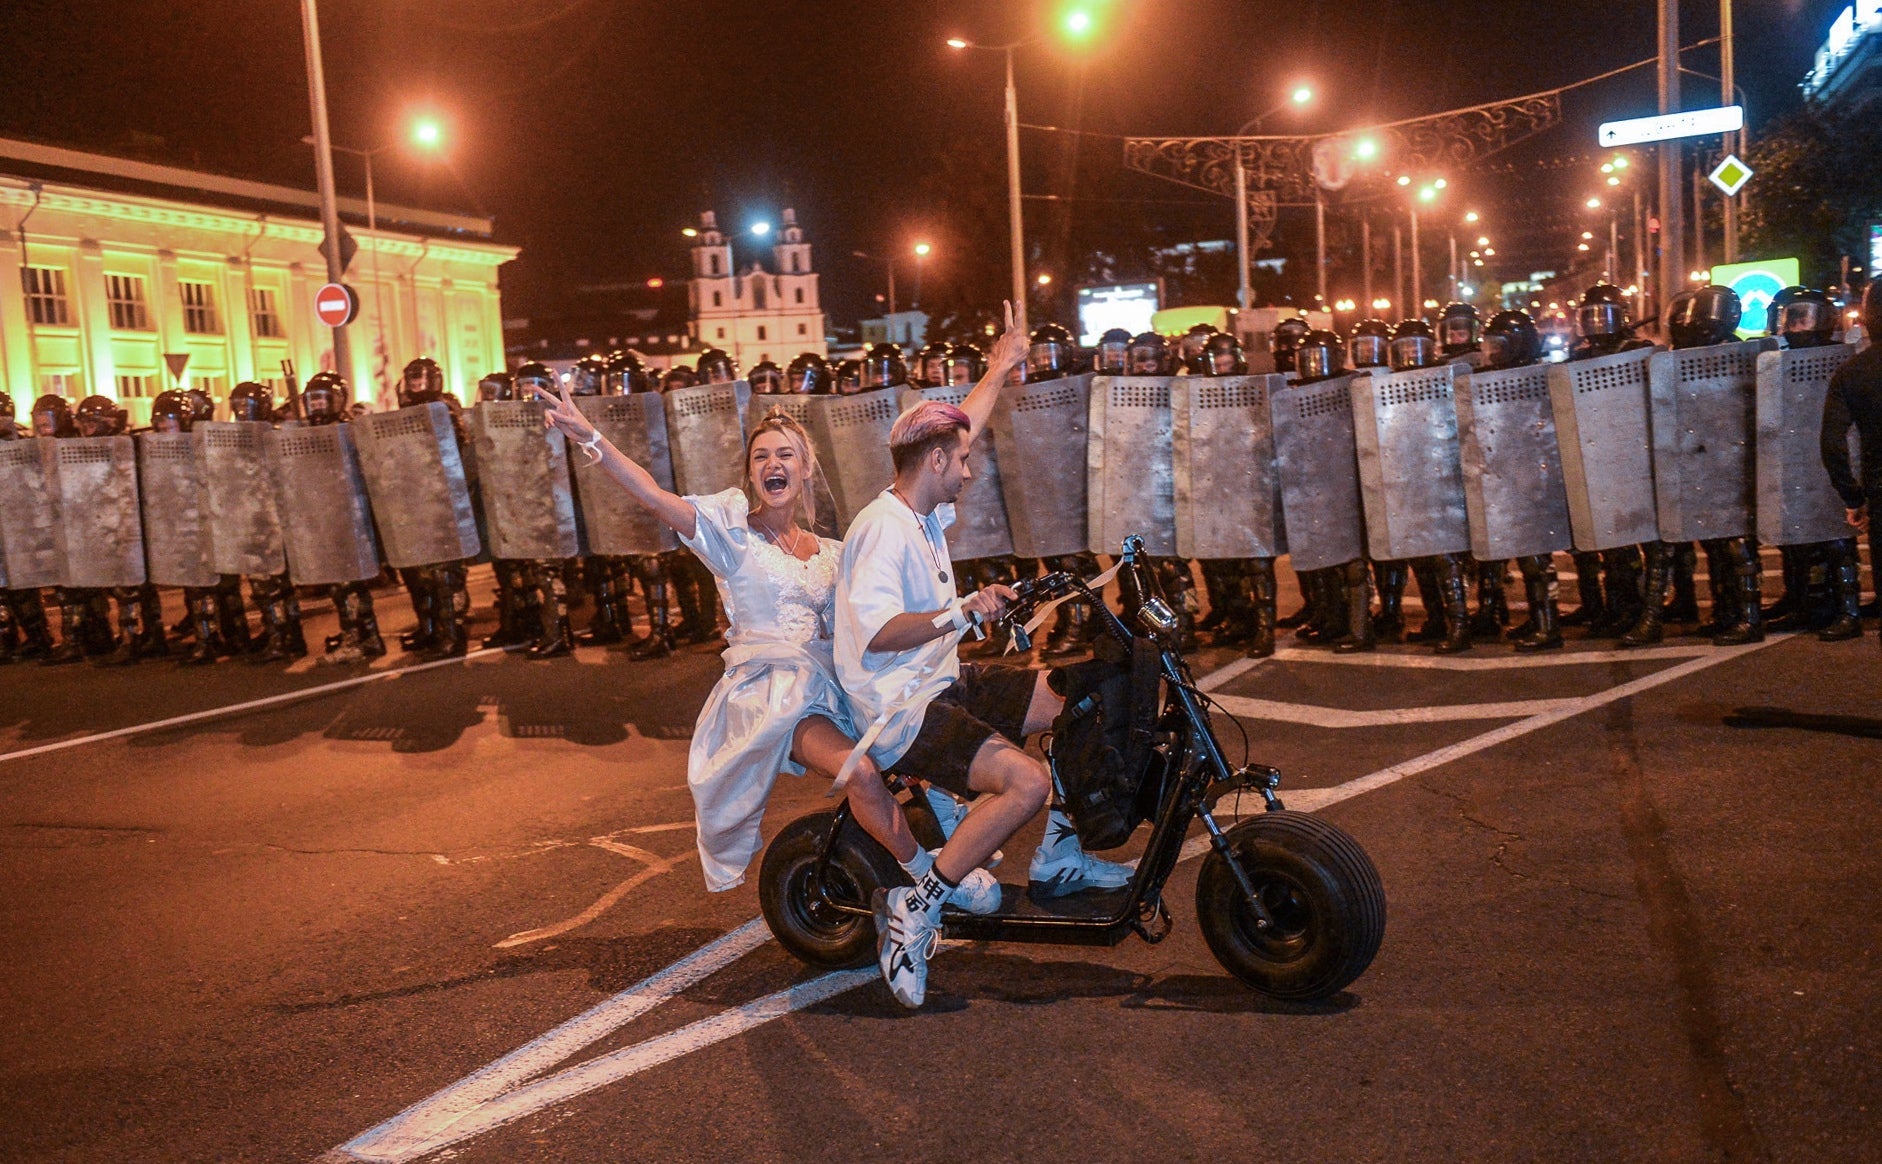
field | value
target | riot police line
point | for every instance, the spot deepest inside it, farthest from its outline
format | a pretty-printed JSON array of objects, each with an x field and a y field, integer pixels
[{"x": 1442, "y": 454}]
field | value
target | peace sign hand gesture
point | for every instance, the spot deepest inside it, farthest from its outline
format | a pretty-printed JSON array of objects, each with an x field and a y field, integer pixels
[
  {"x": 562, "y": 414},
  {"x": 1009, "y": 351}
]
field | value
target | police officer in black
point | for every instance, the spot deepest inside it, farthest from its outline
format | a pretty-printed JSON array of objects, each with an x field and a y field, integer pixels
[
  {"x": 1609, "y": 581},
  {"x": 23, "y": 630},
  {"x": 1511, "y": 340},
  {"x": 324, "y": 400},
  {"x": 440, "y": 592},
  {"x": 281, "y": 635},
  {"x": 1339, "y": 598},
  {"x": 1441, "y": 580},
  {"x": 1855, "y": 398}
]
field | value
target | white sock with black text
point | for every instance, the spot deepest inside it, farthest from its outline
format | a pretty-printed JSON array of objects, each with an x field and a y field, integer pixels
[
  {"x": 931, "y": 892},
  {"x": 919, "y": 864}
]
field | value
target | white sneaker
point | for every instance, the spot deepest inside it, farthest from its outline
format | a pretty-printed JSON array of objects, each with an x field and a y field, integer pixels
[
  {"x": 905, "y": 940},
  {"x": 1069, "y": 869},
  {"x": 978, "y": 892}
]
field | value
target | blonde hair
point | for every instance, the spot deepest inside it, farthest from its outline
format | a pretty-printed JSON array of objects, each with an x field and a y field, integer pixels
[{"x": 778, "y": 422}]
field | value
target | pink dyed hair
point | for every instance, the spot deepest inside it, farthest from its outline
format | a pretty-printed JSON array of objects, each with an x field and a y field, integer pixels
[{"x": 923, "y": 427}]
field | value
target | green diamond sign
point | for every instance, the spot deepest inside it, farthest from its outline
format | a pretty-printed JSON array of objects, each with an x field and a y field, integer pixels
[{"x": 1730, "y": 175}]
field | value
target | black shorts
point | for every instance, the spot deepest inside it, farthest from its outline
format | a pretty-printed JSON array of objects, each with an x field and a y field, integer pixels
[{"x": 986, "y": 701}]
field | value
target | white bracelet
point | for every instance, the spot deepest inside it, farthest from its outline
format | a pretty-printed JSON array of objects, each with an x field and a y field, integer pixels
[
  {"x": 591, "y": 442},
  {"x": 953, "y": 616}
]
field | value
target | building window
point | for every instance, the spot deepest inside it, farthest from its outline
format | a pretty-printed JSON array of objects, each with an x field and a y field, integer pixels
[
  {"x": 267, "y": 317},
  {"x": 59, "y": 384},
  {"x": 199, "y": 309},
  {"x": 45, "y": 295},
  {"x": 134, "y": 387},
  {"x": 712, "y": 261},
  {"x": 800, "y": 295},
  {"x": 125, "y": 294},
  {"x": 214, "y": 385},
  {"x": 761, "y": 331},
  {"x": 721, "y": 333},
  {"x": 717, "y": 299},
  {"x": 797, "y": 266},
  {"x": 803, "y": 329}
]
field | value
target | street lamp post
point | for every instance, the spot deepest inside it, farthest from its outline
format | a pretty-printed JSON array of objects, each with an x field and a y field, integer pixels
[
  {"x": 1015, "y": 221},
  {"x": 1244, "y": 295},
  {"x": 921, "y": 252},
  {"x": 323, "y": 169}
]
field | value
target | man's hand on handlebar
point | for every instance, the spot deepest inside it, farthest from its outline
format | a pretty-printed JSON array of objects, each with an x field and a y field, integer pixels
[{"x": 989, "y": 601}]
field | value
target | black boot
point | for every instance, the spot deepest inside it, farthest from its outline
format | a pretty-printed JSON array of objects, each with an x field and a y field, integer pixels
[
  {"x": 29, "y": 610},
  {"x": 1648, "y": 629},
  {"x": 554, "y": 641},
  {"x": 9, "y": 630},
  {"x": 1493, "y": 610},
  {"x": 1390, "y": 579},
  {"x": 1588, "y": 591},
  {"x": 1456, "y": 598},
  {"x": 1074, "y": 641},
  {"x": 510, "y": 632},
  {"x": 424, "y": 633},
  {"x": 609, "y": 623},
  {"x": 1848, "y": 624},
  {"x": 1219, "y": 594},
  {"x": 1427, "y": 572},
  {"x": 1359, "y": 635},
  {"x": 452, "y": 603},
  {"x": 274, "y": 633},
  {"x": 72, "y": 629},
  {"x": 1539, "y": 584},
  {"x": 659, "y": 641},
  {"x": 371, "y": 645},
  {"x": 1685, "y": 604},
  {"x": 1262, "y": 585},
  {"x": 132, "y": 633},
  {"x": 232, "y": 616},
  {"x": 1622, "y": 569},
  {"x": 1749, "y": 626},
  {"x": 202, "y": 607}
]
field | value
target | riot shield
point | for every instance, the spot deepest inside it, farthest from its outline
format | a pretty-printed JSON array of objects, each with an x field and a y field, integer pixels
[
  {"x": 172, "y": 485},
  {"x": 852, "y": 438},
  {"x": 1228, "y": 493},
  {"x": 980, "y": 528},
  {"x": 523, "y": 478},
  {"x": 101, "y": 529},
  {"x": 1129, "y": 465},
  {"x": 1411, "y": 472},
  {"x": 324, "y": 511},
  {"x": 1604, "y": 431},
  {"x": 1796, "y": 503},
  {"x": 1513, "y": 486},
  {"x": 706, "y": 436},
  {"x": 244, "y": 511},
  {"x": 415, "y": 478},
  {"x": 798, "y": 409},
  {"x": 615, "y": 523},
  {"x": 1319, "y": 469},
  {"x": 1039, "y": 432},
  {"x": 29, "y": 516},
  {"x": 1704, "y": 406}
]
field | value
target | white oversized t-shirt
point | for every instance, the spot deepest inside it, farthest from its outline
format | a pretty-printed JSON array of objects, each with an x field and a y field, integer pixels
[{"x": 895, "y": 561}]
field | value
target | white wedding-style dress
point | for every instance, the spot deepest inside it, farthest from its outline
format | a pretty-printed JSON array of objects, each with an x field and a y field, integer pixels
[{"x": 778, "y": 669}]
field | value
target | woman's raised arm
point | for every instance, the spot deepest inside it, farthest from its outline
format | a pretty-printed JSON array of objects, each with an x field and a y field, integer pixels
[{"x": 664, "y": 504}]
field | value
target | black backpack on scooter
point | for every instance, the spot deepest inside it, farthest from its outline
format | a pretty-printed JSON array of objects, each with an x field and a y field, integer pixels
[{"x": 1102, "y": 743}]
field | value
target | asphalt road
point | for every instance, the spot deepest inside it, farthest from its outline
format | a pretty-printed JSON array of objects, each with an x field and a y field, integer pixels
[{"x": 1619, "y": 930}]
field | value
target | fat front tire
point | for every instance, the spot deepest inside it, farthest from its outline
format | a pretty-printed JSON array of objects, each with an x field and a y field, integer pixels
[
  {"x": 1322, "y": 892},
  {"x": 795, "y": 895}
]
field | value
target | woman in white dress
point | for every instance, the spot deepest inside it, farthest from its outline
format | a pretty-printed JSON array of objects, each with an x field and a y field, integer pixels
[{"x": 778, "y": 707}]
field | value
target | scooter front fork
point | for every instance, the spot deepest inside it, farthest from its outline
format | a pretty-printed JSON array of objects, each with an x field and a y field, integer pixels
[{"x": 1263, "y": 919}]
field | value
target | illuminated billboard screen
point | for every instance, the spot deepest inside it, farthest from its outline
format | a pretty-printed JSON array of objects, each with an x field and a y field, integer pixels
[
  {"x": 1757, "y": 283},
  {"x": 1125, "y": 305}
]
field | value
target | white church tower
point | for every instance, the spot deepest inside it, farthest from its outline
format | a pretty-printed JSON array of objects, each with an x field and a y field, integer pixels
[{"x": 756, "y": 315}]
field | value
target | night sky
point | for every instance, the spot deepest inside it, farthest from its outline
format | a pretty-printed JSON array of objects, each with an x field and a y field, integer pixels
[{"x": 593, "y": 130}]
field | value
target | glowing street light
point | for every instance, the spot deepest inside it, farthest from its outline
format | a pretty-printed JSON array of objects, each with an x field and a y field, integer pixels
[
  {"x": 922, "y": 249},
  {"x": 428, "y": 132},
  {"x": 955, "y": 42},
  {"x": 1404, "y": 179},
  {"x": 1366, "y": 149},
  {"x": 689, "y": 232},
  {"x": 1470, "y": 216},
  {"x": 761, "y": 228},
  {"x": 1382, "y": 304},
  {"x": 1078, "y": 23},
  {"x": 1594, "y": 204},
  {"x": 1429, "y": 193},
  {"x": 1301, "y": 95},
  {"x": 1045, "y": 280}
]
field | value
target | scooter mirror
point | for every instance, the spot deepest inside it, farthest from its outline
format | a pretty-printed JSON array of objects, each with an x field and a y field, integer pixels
[{"x": 1156, "y": 616}]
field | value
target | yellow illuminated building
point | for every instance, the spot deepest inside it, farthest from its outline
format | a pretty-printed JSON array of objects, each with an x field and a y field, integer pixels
[{"x": 109, "y": 265}]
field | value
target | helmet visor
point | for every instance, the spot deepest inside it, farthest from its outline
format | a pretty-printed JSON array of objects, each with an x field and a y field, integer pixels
[
  {"x": 1317, "y": 361},
  {"x": 1807, "y": 315},
  {"x": 1411, "y": 351},
  {"x": 1600, "y": 319},
  {"x": 1369, "y": 351}
]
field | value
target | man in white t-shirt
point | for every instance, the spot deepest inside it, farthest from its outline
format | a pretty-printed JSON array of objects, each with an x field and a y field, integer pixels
[{"x": 898, "y": 620}]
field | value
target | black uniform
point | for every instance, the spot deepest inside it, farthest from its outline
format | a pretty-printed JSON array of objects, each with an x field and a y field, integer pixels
[{"x": 1855, "y": 397}]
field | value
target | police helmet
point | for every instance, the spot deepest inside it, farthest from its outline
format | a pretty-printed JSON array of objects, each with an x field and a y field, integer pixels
[
  {"x": 849, "y": 377},
  {"x": 1511, "y": 340},
  {"x": 1113, "y": 352},
  {"x": 1286, "y": 337},
  {"x": 1808, "y": 320},
  {"x": 1051, "y": 354},
  {"x": 1221, "y": 356},
  {"x": 1189, "y": 347},
  {"x": 100, "y": 416},
  {"x": 251, "y": 401},
  {"x": 1460, "y": 329},
  {"x": 678, "y": 376},
  {"x": 171, "y": 412},
  {"x": 931, "y": 364},
  {"x": 626, "y": 375},
  {"x": 1370, "y": 344},
  {"x": 325, "y": 398},
  {"x": 883, "y": 367},
  {"x": 1413, "y": 345},
  {"x": 1149, "y": 355},
  {"x": 587, "y": 376},
  {"x": 965, "y": 364},
  {"x": 422, "y": 382},
  {"x": 808, "y": 375},
  {"x": 1709, "y": 315},
  {"x": 715, "y": 367},
  {"x": 1320, "y": 356},
  {"x": 1602, "y": 312},
  {"x": 496, "y": 386}
]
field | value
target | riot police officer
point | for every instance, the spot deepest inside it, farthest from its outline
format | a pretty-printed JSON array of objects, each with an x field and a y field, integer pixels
[
  {"x": 1512, "y": 341},
  {"x": 1052, "y": 355},
  {"x": 808, "y": 375},
  {"x": 496, "y": 386},
  {"x": 715, "y": 367},
  {"x": 882, "y": 367},
  {"x": 1112, "y": 357},
  {"x": 678, "y": 376},
  {"x": 966, "y": 364},
  {"x": 440, "y": 591},
  {"x": 1338, "y": 598},
  {"x": 931, "y": 365},
  {"x": 274, "y": 595},
  {"x": 23, "y": 630},
  {"x": 766, "y": 378},
  {"x": 848, "y": 377},
  {"x": 1369, "y": 345},
  {"x": 1460, "y": 332},
  {"x": 1441, "y": 576},
  {"x": 1241, "y": 592},
  {"x": 325, "y": 400},
  {"x": 1608, "y": 581},
  {"x": 1284, "y": 339},
  {"x": 140, "y": 610},
  {"x": 533, "y": 596}
]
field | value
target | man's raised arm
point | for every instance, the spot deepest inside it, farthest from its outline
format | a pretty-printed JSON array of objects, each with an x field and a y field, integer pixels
[{"x": 1009, "y": 352}]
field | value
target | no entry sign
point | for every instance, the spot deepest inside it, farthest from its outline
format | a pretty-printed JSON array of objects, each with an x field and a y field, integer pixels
[{"x": 335, "y": 304}]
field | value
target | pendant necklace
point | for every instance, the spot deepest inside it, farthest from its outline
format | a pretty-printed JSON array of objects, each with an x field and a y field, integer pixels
[
  {"x": 921, "y": 521},
  {"x": 789, "y": 551}
]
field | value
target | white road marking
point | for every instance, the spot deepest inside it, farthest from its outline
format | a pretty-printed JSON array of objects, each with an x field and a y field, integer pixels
[
  {"x": 251, "y": 705},
  {"x": 417, "y": 1130},
  {"x": 500, "y": 1094},
  {"x": 673, "y": 826},
  {"x": 1315, "y": 715},
  {"x": 1509, "y": 662}
]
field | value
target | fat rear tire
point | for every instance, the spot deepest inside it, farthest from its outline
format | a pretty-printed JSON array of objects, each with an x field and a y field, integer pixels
[
  {"x": 1322, "y": 891},
  {"x": 812, "y": 931}
]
